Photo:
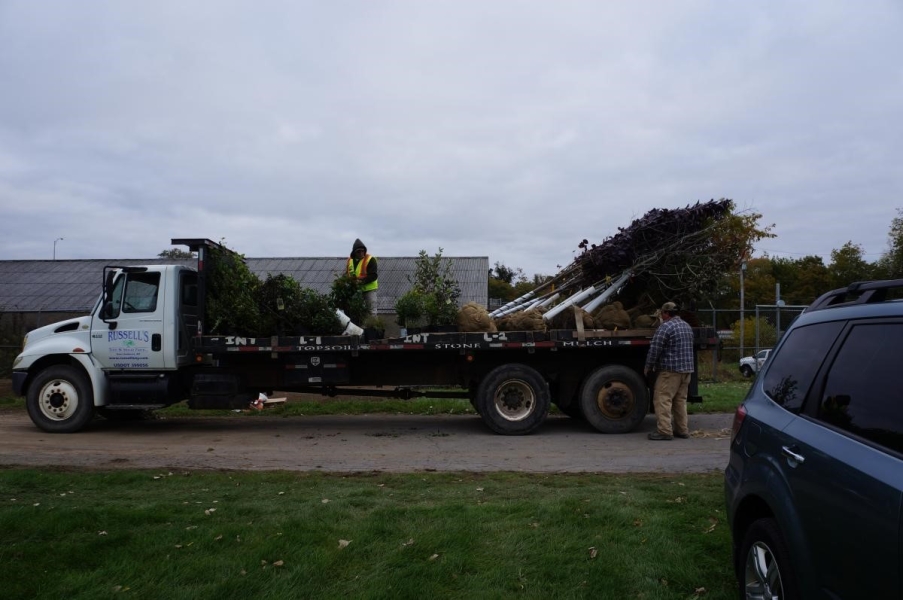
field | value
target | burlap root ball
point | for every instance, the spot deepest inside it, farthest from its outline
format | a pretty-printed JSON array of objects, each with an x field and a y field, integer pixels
[{"x": 473, "y": 318}]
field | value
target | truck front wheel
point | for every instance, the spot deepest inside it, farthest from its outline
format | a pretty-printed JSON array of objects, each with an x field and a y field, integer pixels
[
  {"x": 513, "y": 399},
  {"x": 614, "y": 399},
  {"x": 60, "y": 400}
]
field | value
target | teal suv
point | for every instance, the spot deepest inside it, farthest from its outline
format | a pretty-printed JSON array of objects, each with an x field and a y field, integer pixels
[{"x": 815, "y": 479}]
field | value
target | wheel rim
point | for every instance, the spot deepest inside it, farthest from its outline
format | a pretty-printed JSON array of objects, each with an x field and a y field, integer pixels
[
  {"x": 514, "y": 400},
  {"x": 58, "y": 400},
  {"x": 615, "y": 400},
  {"x": 763, "y": 577}
]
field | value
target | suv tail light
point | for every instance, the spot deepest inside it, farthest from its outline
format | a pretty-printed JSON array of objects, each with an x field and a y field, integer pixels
[{"x": 739, "y": 415}]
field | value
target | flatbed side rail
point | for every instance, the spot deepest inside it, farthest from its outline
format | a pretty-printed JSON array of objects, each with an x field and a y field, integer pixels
[{"x": 704, "y": 337}]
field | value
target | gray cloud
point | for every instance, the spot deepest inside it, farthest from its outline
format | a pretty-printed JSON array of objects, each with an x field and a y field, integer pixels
[{"x": 505, "y": 129}]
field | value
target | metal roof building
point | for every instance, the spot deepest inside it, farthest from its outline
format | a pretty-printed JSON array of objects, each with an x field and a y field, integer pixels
[{"x": 72, "y": 286}]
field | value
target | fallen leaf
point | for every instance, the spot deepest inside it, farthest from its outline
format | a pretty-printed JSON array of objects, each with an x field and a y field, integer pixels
[
  {"x": 178, "y": 545},
  {"x": 218, "y": 538},
  {"x": 410, "y": 542},
  {"x": 263, "y": 562},
  {"x": 638, "y": 523},
  {"x": 325, "y": 500},
  {"x": 116, "y": 588},
  {"x": 479, "y": 489},
  {"x": 37, "y": 504},
  {"x": 434, "y": 557},
  {"x": 281, "y": 493},
  {"x": 593, "y": 553},
  {"x": 101, "y": 533},
  {"x": 278, "y": 563},
  {"x": 243, "y": 572},
  {"x": 663, "y": 581},
  {"x": 343, "y": 543},
  {"x": 700, "y": 591}
]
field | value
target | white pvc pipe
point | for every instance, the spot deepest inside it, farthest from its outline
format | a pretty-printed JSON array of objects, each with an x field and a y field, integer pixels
[
  {"x": 611, "y": 290},
  {"x": 513, "y": 303},
  {"x": 569, "y": 302}
]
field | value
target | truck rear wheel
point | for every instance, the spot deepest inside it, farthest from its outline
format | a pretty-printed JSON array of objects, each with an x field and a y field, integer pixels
[
  {"x": 513, "y": 399},
  {"x": 614, "y": 399},
  {"x": 60, "y": 400}
]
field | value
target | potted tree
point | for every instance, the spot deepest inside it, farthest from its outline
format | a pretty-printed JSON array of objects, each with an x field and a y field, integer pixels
[
  {"x": 374, "y": 328},
  {"x": 409, "y": 310}
]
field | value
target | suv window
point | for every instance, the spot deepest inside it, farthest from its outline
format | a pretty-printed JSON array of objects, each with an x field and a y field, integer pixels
[
  {"x": 794, "y": 367},
  {"x": 862, "y": 390}
]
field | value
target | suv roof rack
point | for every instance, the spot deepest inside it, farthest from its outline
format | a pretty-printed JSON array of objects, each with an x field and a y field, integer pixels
[{"x": 859, "y": 292}]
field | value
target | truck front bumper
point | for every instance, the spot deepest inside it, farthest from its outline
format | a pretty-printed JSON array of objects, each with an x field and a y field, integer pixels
[{"x": 19, "y": 378}]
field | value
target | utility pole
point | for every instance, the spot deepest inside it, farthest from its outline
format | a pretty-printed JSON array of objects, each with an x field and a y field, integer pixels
[{"x": 742, "y": 300}]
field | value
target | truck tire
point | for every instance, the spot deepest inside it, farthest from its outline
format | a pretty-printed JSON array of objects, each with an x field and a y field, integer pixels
[
  {"x": 746, "y": 371},
  {"x": 60, "y": 400},
  {"x": 513, "y": 399},
  {"x": 614, "y": 399}
]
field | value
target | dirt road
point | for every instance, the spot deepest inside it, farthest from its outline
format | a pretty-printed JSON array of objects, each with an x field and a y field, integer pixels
[{"x": 362, "y": 443}]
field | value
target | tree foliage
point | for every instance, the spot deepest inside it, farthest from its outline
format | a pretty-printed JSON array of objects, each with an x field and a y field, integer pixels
[
  {"x": 675, "y": 254},
  {"x": 890, "y": 265},
  {"x": 347, "y": 296},
  {"x": 239, "y": 303},
  {"x": 177, "y": 254},
  {"x": 848, "y": 265},
  {"x": 509, "y": 283},
  {"x": 436, "y": 287}
]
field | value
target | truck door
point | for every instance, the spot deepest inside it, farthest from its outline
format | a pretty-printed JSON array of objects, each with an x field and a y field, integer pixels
[{"x": 130, "y": 336}]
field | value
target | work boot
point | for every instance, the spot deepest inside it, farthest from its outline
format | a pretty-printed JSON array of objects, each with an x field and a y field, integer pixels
[
  {"x": 683, "y": 436},
  {"x": 655, "y": 435}
]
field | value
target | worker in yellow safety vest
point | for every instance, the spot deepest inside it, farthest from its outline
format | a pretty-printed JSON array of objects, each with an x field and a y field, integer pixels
[{"x": 363, "y": 266}]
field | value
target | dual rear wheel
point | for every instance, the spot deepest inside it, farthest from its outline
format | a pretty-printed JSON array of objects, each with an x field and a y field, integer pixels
[{"x": 514, "y": 399}]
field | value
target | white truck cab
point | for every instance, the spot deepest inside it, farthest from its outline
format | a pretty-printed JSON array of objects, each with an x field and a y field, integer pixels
[{"x": 135, "y": 338}]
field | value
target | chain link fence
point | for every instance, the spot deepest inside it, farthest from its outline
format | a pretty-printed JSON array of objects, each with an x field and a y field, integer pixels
[{"x": 764, "y": 325}]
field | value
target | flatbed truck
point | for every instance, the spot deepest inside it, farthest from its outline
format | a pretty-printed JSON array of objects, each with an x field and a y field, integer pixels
[{"x": 144, "y": 347}]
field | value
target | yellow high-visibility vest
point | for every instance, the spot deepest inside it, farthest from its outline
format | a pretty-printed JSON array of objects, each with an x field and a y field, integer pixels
[{"x": 361, "y": 272}]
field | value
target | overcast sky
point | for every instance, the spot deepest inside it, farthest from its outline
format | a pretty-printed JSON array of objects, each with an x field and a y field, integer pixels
[{"x": 507, "y": 129}]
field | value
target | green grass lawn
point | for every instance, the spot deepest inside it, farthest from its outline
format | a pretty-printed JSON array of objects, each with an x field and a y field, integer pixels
[
  {"x": 218, "y": 535},
  {"x": 139, "y": 534}
]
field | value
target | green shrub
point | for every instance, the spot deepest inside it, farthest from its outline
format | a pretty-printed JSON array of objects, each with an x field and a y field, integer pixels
[
  {"x": 348, "y": 297},
  {"x": 409, "y": 308}
]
